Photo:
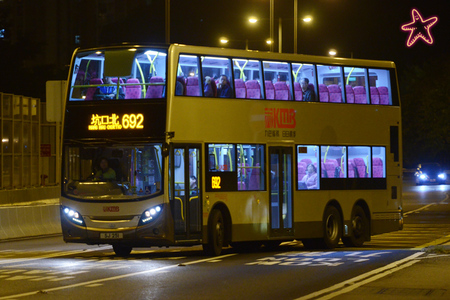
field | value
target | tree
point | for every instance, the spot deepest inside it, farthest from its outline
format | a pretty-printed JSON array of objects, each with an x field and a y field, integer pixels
[{"x": 425, "y": 95}]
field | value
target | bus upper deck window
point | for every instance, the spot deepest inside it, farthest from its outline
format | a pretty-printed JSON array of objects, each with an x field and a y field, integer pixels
[
  {"x": 330, "y": 83},
  {"x": 380, "y": 89}
]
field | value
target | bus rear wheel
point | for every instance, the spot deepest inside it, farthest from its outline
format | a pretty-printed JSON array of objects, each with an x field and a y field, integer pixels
[
  {"x": 332, "y": 227},
  {"x": 216, "y": 234},
  {"x": 122, "y": 250},
  {"x": 360, "y": 227}
]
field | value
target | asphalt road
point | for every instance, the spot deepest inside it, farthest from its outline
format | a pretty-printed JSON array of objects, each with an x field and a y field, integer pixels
[{"x": 49, "y": 269}]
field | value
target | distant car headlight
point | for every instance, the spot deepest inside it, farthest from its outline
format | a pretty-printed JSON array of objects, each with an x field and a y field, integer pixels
[
  {"x": 73, "y": 216},
  {"x": 423, "y": 176},
  {"x": 150, "y": 214},
  {"x": 442, "y": 176}
]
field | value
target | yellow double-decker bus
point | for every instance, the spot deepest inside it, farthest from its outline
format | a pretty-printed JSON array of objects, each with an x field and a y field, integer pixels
[{"x": 186, "y": 145}]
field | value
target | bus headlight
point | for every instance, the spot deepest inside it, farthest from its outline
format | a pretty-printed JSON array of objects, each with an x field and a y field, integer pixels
[
  {"x": 442, "y": 176},
  {"x": 73, "y": 216},
  {"x": 150, "y": 214},
  {"x": 423, "y": 176}
]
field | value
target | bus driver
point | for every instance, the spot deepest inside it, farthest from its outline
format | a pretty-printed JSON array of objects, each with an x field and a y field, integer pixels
[{"x": 105, "y": 172}]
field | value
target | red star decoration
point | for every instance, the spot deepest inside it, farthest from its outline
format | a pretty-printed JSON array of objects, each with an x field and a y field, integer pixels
[{"x": 419, "y": 28}]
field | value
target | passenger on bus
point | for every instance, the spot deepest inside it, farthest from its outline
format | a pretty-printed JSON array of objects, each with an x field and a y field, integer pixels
[
  {"x": 209, "y": 91},
  {"x": 105, "y": 172},
  {"x": 108, "y": 92},
  {"x": 193, "y": 188},
  {"x": 308, "y": 94},
  {"x": 309, "y": 181},
  {"x": 224, "y": 87}
]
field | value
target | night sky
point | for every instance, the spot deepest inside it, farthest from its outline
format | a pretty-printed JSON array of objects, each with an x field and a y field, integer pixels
[{"x": 369, "y": 29}]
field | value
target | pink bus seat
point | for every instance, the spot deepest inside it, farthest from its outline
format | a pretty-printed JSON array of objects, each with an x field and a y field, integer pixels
[
  {"x": 323, "y": 93},
  {"x": 133, "y": 91},
  {"x": 298, "y": 92},
  {"x": 335, "y": 93},
  {"x": 281, "y": 90},
  {"x": 155, "y": 91},
  {"x": 360, "y": 167},
  {"x": 91, "y": 90},
  {"x": 253, "y": 89},
  {"x": 241, "y": 91},
  {"x": 350, "y": 94},
  {"x": 374, "y": 95},
  {"x": 377, "y": 167},
  {"x": 192, "y": 87},
  {"x": 255, "y": 180},
  {"x": 270, "y": 90},
  {"x": 384, "y": 95},
  {"x": 360, "y": 94}
]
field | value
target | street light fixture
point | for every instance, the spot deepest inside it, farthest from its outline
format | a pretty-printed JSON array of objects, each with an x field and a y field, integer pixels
[
  {"x": 223, "y": 40},
  {"x": 307, "y": 19},
  {"x": 253, "y": 20},
  {"x": 332, "y": 52}
]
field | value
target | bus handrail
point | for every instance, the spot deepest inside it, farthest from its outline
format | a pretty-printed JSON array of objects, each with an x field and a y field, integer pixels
[{"x": 181, "y": 203}]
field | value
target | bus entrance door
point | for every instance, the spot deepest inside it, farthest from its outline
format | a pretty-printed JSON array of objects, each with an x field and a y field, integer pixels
[
  {"x": 280, "y": 190},
  {"x": 185, "y": 198}
]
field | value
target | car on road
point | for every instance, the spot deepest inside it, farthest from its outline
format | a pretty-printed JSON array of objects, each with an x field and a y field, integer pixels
[{"x": 430, "y": 173}]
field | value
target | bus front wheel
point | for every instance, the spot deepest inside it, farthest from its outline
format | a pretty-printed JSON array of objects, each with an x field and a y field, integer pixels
[
  {"x": 122, "y": 250},
  {"x": 216, "y": 234},
  {"x": 332, "y": 226},
  {"x": 360, "y": 227}
]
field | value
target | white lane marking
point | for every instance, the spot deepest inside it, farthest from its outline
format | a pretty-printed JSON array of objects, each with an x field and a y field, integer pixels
[
  {"x": 94, "y": 285},
  {"x": 368, "y": 280},
  {"x": 419, "y": 209},
  {"x": 436, "y": 242},
  {"x": 44, "y": 278},
  {"x": 55, "y": 254},
  {"x": 11, "y": 271},
  {"x": 21, "y": 277},
  {"x": 62, "y": 278},
  {"x": 316, "y": 259},
  {"x": 112, "y": 278},
  {"x": 378, "y": 273}
]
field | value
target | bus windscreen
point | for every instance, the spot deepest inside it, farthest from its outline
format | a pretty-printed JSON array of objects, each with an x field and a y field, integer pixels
[
  {"x": 114, "y": 172},
  {"x": 119, "y": 74}
]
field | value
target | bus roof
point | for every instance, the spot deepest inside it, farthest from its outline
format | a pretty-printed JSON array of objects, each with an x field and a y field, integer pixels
[{"x": 181, "y": 48}]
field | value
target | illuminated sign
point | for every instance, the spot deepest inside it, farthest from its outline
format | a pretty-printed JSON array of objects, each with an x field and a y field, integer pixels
[
  {"x": 280, "y": 118},
  {"x": 419, "y": 28},
  {"x": 116, "y": 122},
  {"x": 215, "y": 182}
]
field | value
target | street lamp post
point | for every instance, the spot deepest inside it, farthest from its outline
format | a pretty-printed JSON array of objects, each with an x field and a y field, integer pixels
[
  {"x": 167, "y": 21},
  {"x": 295, "y": 25}
]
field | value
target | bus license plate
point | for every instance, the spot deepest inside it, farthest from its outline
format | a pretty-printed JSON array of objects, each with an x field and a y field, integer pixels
[{"x": 111, "y": 235}]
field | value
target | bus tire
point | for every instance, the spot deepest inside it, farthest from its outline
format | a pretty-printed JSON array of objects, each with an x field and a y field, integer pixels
[
  {"x": 216, "y": 234},
  {"x": 360, "y": 228},
  {"x": 122, "y": 250},
  {"x": 332, "y": 227}
]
